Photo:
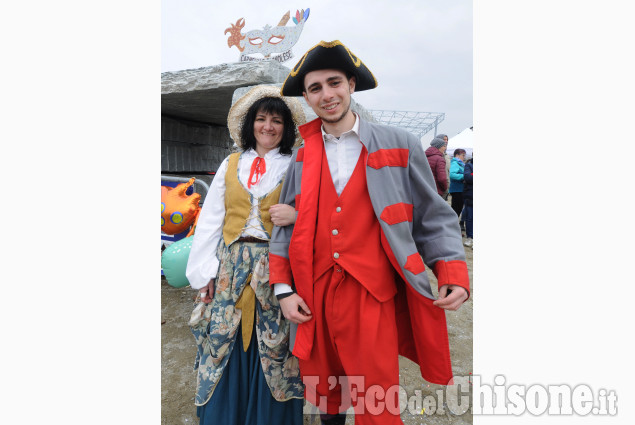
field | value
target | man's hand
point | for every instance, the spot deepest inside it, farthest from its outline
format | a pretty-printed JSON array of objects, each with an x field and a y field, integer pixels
[
  {"x": 452, "y": 301},
  {"x": 282, "y": 214},
  {"x": 207, "y": 292},
  {"x": 295, "y": 309}
]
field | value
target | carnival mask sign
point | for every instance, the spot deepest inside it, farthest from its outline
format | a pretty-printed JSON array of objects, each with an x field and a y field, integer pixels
[{"x": 273, "y": 43}]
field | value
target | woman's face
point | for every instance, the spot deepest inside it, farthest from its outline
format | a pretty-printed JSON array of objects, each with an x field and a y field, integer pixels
[{"x": 268, "y": 129}]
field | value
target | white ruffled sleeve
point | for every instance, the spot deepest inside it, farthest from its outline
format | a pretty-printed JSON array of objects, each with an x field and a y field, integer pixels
[{"x": 202, "y": 265}]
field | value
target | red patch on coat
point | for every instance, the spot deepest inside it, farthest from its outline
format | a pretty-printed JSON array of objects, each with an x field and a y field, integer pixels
[
  {"x": 297, "y": 202},
  {"x": 300, "y": 156},
  {"x": 388, "y": 158},
  {"x": 397, "y": 213},
  {"x": 414, "y": 264}
]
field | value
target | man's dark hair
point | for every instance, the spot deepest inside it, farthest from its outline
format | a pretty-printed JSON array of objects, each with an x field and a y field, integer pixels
[
  {"x": 458, "y": 152},
  {"x": 269, "y": 105}
]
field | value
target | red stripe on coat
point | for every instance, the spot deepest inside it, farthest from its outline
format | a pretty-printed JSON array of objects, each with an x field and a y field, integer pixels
[
  {"x": 414, "y": 264},
  {"x": 297, "y": 202},
  {"x": 397, "y": 213},
  {"x": 388, "y": 158},
  {"x": 304, "y": 231},
  {"x": 300, "y": 156}
]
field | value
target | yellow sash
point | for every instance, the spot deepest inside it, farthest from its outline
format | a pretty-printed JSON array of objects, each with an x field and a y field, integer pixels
[{"x": 247, "y": 303}]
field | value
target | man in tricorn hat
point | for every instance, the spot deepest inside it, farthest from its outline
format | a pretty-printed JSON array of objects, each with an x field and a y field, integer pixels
[{"x": 351, "y": 272}]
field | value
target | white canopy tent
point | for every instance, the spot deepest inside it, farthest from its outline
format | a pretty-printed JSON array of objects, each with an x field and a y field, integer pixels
[{"x": 463, "y": 140}]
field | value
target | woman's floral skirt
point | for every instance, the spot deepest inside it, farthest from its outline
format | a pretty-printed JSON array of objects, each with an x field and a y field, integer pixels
[{"x": 215, "y": 325}]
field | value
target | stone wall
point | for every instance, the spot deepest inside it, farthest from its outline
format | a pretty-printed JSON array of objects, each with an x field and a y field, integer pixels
[
  {"x": 188, "y": 146},
  {"x": 194, "y": 108}
]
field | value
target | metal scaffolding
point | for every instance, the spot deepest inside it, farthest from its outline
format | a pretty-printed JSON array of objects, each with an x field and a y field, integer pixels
[{"x": 417, "y": 123}]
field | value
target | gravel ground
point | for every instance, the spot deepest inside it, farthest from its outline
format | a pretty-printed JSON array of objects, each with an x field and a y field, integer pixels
[{"x": 178, "y": 350}]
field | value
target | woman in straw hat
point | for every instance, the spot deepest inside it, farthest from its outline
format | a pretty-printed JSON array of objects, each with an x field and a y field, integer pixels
[{"x": 245, "y": 372}]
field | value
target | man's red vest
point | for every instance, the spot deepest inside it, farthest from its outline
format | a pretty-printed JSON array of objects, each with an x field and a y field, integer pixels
[{"x": 348, "y": 233}]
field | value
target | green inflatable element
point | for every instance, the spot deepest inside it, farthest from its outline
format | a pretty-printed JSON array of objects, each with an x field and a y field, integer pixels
[{"x": 174, "y": 262}]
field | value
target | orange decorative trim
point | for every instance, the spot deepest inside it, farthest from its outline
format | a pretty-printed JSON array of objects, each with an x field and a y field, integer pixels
[
  {"x": 397, "y": 213},
  {"x": 414, "y": 264},
  {"x": 388, "y": 158}
]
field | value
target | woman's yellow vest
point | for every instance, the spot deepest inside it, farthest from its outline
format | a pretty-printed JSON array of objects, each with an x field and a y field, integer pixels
[{"x": 238, "y": 204}]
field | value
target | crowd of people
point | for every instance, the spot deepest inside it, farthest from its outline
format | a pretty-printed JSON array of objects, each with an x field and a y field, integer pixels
[
  {"x": 453, "y": 177},
  {"x": 310, "y": 256}
]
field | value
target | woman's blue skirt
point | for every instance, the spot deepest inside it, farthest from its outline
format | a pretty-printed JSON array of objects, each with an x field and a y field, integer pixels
[{"x": 242, "y": 396}]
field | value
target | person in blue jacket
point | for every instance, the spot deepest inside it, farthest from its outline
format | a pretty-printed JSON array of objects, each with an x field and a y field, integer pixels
[{"x": 456, "y": 180}]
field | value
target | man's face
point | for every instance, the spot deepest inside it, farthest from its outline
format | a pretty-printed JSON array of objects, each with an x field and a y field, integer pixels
[
  {"x": 328, "y": 92},
  {"x": 445, "y": 138}
]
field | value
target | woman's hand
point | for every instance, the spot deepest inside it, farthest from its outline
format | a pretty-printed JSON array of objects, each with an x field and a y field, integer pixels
[
  {"x": 282, "y": 214},
  {"x": 207, "y": 292}
]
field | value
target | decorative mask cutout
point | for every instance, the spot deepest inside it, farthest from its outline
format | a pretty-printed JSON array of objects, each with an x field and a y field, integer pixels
[{"x": 270, "y": 40}]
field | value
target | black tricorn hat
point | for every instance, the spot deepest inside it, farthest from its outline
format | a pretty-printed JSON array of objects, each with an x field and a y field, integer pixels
[{"x": 328, "y": 55}]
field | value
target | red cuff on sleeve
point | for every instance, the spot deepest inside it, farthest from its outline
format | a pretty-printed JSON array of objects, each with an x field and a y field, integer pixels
[
  {"x": 452, "y": 273},
  {"x": 279, "y": 270}
]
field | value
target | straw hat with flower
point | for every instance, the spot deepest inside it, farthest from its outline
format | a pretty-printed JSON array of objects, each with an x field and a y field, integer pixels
[{"x": 239, "y": 110}]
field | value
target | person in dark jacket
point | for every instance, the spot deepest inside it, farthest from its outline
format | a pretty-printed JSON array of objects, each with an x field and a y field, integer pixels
[
  {"x": 437, "y": 163},
  {"x": 447, "y": 163},
  {"x": 467, "y": 197}
]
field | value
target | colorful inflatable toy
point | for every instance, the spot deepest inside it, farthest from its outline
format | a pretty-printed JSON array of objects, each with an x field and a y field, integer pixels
[
  {"x": 174, "y": 262},
  {"x": 178, "y": 210}
]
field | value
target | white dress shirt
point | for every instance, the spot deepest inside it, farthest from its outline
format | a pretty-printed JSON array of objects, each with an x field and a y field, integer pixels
[
  {"x": 342, "y": 154},
  {"x": 202, "y": 265}
]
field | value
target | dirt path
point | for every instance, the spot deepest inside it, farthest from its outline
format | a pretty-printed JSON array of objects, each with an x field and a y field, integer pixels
[{"x": 178, "y": 351}]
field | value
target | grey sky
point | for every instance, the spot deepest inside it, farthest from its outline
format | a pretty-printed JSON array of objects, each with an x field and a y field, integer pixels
[{"x": 419, "y": 51}]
